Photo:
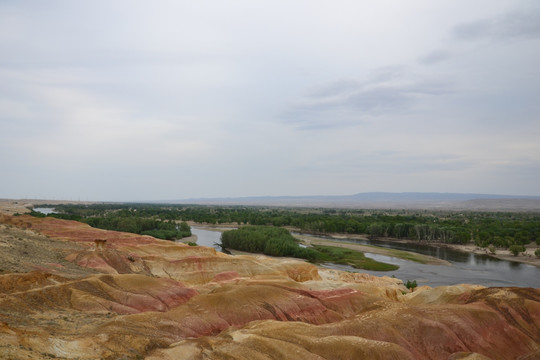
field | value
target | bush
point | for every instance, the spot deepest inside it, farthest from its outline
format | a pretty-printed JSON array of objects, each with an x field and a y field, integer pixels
[
  {"x": 36, "y": 214},
  {"x": 516, "y": 249},
  {"x": 537, "y": 252},
  {"x": 492, "y": 249},
  {"x": 411, "y": 285}
]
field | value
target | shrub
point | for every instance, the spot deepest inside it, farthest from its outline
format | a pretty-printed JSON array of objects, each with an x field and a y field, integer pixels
[
  {"x": 36, "y": 214},
  {"x": 537, "y": 252},
  {"x": 411, "y": 285},
  {"x": 492, "y": 249},
  {"x": 516, "y": 249}
]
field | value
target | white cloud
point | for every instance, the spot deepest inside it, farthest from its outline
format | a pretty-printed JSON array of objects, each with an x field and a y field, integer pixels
[
  {"x": 511, "y": 25},
  {"x": 123, "y": 100},
  {"x": 387, "y": 91}
]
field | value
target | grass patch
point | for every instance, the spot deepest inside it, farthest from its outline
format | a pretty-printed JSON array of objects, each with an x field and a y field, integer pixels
[{"x": 353, "y": 258}]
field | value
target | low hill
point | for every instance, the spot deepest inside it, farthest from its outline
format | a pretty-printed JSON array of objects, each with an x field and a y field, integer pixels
[{"x": 386, "y": 200}]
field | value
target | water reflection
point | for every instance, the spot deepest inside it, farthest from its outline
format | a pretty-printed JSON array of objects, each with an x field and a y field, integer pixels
[
  {"x": 207, "y": 238},
  {"x": 45, "y": 211},
  {"x": 473, "y": 273},
  {"x": 465, "y": 267},
  {"x": 471, "y": 268}
]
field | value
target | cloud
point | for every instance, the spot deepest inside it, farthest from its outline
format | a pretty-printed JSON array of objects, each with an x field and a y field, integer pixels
[
  {"x": 123, "y": 100},
  {"x": 436, "y": 56},
  {"x": 62, "y": 123},
  {"x": 389, "y": 90},
  {"x": 510, "y": 26},
  {"x": 398, "y": 159}
]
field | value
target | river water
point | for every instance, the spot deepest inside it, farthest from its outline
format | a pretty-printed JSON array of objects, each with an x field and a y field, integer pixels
[
  {"x": 465, "y": 267},
  {"x": 207, "y": 238},
  {"x": 45, "y": 211}
]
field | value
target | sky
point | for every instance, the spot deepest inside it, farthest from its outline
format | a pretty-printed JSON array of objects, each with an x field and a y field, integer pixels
[{"x": 160, "y": 100}]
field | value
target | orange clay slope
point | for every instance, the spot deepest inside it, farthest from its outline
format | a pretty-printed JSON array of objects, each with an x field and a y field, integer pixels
[{"x": 140, "y": 297}]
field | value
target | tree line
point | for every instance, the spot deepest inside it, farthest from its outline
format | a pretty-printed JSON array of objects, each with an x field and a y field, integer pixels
[
  {"x": 127, "y": 221},
  {"x": 500, "y": 229}
]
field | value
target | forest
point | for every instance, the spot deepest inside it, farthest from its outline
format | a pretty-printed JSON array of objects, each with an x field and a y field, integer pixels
[
  {"x": 498, "y": 229},
  {"x": 276, "y": 241},
  {"x": 268, "y": 240}
]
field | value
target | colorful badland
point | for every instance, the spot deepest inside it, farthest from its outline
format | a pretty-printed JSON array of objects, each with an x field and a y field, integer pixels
[{"x": 134, "y": 297}]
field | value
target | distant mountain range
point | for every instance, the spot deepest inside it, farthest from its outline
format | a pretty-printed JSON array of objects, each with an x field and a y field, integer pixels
[{"x": 387, "y": 200}]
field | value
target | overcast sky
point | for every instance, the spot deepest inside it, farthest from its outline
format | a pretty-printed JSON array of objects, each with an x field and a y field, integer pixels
[{"x": 159, "y": 100}]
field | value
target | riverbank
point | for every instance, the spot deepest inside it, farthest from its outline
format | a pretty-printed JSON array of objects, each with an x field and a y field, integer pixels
[
  {"x": 310, "y": 240},
  {"x": 528, "y": 257},
  {"x": 503, "y": 254}
]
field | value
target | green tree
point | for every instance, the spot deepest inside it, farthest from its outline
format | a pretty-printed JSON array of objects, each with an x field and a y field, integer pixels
[
  {"x": 516, "y": 249},
  {"x": 411, "y": 285},
  {"x": 522, "y": 238}
]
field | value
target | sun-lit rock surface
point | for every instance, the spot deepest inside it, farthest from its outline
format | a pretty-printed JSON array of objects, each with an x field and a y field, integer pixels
[{"x": 139, "y": 297}]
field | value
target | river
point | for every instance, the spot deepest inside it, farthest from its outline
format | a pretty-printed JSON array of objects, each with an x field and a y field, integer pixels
[
  {"x": 465, "y": 267},
  {"x": 45, "y": 211},
  {"x": 207, "y": 238}
]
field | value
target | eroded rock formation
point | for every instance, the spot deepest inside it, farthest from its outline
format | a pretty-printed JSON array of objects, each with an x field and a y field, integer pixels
[{"x": 139, "y": 297}]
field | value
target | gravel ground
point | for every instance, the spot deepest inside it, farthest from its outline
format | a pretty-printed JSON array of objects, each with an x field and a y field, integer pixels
[{"x": 23, "y": 250}]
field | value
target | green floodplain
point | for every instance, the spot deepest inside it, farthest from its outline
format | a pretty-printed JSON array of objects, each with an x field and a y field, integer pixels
[
  {"x": 274, "y": 241},
  {"x": 168, "y": 221}
]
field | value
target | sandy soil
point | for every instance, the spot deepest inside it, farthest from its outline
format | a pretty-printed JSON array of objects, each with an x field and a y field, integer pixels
[
  {"x": 10, "y": 207},
  {"x": 23, "y": 250}
]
